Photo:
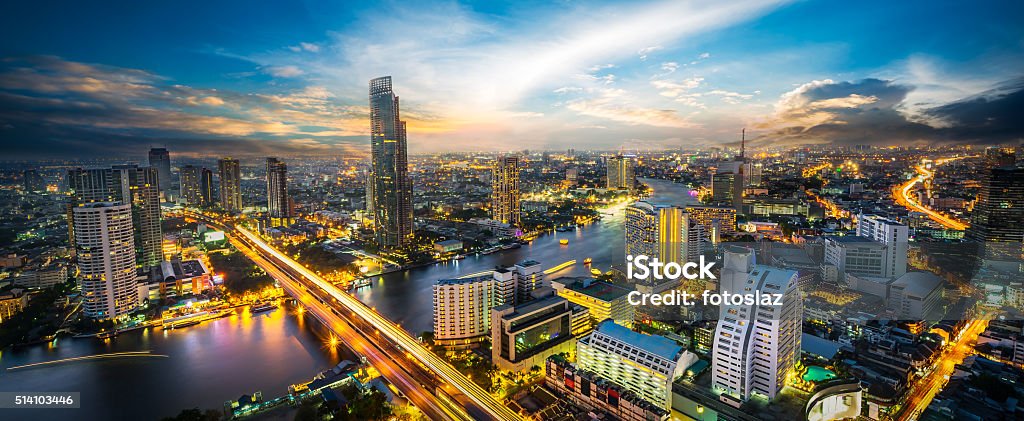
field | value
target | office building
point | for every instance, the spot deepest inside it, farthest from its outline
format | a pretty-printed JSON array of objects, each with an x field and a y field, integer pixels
[
  {"x": 191, "y": 181},
  {"x": 590, "y": 391},
  {"x": 524, "y": 336},
  {"x": 643, "y": 364},
  {"x": 278, "y": 206},
  {"x": 755, "y": 346},
  {"x": 603, "y": 300},
  {"x": 621, "y": 172},
  {"x": 863, "y": 257},
  {"x": 997, "y": 222},
  {"x": 505, "y": 190},
  {"x": 105, "y": 248},
  {"x": 891, "y": 233},
  {"x": 230, "y": 184},
  {"x": 392, "y": 190},
  {"x": 727, "y": 184},
  {"x": 160, "y": 158},
  {"x": 915, "y": 295},
  {"x": 462, "y": 308}
]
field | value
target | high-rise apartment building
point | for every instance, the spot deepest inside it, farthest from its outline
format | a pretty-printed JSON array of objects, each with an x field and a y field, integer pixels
[
  {"x": 756, "y": 346},
  {"x": 643, "y": 364},
  {"x": 160, "y": 158},
  {"x": 505, "y": 190},
  {"x": 277, "y": 189},
  {"x": 33, "y": 181},
  {"x": 529, "y": 277},
  {"x": 126, "y": 184},
  {"x": 191, "y": 181},
  {"x": 230, "y": 184},
  {"x": 891, "y": 233},
  {"x": 105, "y": 250},
  {"x": 392, "y": 191},
  {"x": 663, "y": 232},
  {"x": 621, "y": 172},
  {"x": 137, "y": 186}
]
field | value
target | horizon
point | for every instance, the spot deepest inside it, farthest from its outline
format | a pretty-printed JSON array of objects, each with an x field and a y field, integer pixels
[{"x": 280, "y": 80}]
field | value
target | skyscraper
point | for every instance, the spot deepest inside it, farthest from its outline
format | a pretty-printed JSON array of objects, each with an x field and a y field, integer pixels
[
  {"x": 505, "y": 190},
  {"x": 137, "y": 186},
  {"x": 160, "y": 159},
  {"x": 663, "y": 232},
  {"x": 191, "y": 180},
  {"x": 126, "y": 184},
  {"x": 277, "y": 189},
  {"x": 206, "y": 187},
  {"x": 997, "y": 223},
  {"x": 755, "y": 346},
  {"x": 392, "y": 192},
  {"x": 230, "y": 184},
  {"x": 105, "y": 247},
  {"x": 33, "y": 181},
  {"x": 621, "y": 172}
]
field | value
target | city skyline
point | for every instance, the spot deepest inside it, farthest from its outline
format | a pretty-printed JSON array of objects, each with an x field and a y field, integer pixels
[{"x": 485, "y": 76}]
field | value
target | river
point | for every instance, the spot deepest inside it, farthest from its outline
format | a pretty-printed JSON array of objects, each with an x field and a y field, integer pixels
[{"x": 222, "y": 359}]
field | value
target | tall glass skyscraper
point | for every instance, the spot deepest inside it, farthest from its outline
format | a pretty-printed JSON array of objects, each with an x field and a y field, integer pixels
[
  {"x": 277, "y": 189},
  {"x": 392, "y": 188},
  {"x": 160, "y": 158}
]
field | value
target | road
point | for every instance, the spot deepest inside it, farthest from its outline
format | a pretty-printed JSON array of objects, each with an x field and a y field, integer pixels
[
  {"x": 901, "y": 193},
  {"x": 331, "y": 303},
  {"x": 927, "y": 387}
]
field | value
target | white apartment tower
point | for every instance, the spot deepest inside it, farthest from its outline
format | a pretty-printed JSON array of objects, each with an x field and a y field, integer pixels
[
  {"x": 105, "y": 247},
  {"x": 755, "y": 346}
]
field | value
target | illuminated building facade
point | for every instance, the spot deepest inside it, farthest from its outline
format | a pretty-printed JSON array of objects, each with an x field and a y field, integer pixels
[
  {"x": 277, "y": 189},
  {"x": 505, "y": 190},
  {"x": 230, "y": 184},
  {"x": 621, "y": 172},
  {"x": 105, "y": 249},
  {"x": 392, "y": 187}
]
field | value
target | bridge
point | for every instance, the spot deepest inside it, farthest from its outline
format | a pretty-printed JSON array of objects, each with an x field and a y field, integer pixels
[{"x": 400, "y": 358}]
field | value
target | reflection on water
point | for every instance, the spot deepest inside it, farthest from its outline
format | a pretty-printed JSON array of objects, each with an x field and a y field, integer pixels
[
  {"x": 405, "y": 297},
  {"x": 207, "y": 365}
]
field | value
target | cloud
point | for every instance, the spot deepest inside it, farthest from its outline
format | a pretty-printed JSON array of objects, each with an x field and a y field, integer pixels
[
  {"x": 669, "y": 68},
  {"x": 610, "y": 105},
  {"x": 56, "y": 106},
  {"x": 283, "y": 71},
  {"x": 644, "y": 52},
  {"x": 305, "y": 46},
  {"x": 674, "y": 89},
  {"x": 873, "y": 111}
]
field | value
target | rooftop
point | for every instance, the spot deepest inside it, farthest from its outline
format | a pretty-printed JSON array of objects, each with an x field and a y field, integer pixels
[
  {"x": 600, "y": 290},
  {"x": 918, "y": 284},
  {"x": 657, "y": 345}
]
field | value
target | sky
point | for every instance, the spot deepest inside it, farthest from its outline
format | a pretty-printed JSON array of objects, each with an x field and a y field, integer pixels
[{"x": 290, "y": 78}]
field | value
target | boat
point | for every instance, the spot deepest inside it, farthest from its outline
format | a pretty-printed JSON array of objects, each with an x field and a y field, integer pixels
[
  {"x": 185, "y": 323},
  {"x": 365, "y": 282},
  {"x": 595, "y": 272},
  {"x": 460, "y": 257},
  {"x": 262, "y": 307},
  {"x": 107, "y": 334},
  {"x": 587, "y": 261},
  {"x": 563, "y": 241}
]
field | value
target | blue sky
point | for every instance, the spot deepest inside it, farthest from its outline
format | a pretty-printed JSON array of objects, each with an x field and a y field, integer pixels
[{"x": 290, "y": 77}]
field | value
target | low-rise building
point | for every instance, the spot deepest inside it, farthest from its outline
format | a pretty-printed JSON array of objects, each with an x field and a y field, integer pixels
[
  {"x": 525, "y": 335},
  {"x": 591, "y": 392},
  {"x": 604, "y": 299}
]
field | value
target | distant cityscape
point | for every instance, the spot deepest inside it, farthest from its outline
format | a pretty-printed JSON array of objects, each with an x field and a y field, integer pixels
[{"x": 247, "y": 221}]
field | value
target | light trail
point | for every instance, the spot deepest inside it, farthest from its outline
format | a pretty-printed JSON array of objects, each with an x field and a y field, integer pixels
[
  {"x": 559, "y": 267},
  {"x": 128, "y": 354},
  {"x": 902, "y": 194},
  {"x": 393, "y": 332}
]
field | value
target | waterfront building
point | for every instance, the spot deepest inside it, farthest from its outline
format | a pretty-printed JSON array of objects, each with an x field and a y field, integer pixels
[
  {"x": 529, "y": 278},
  {"x": 278, "y": 205},
  {"x": 462, "y": 309},
  {"x": 105, "y": 247},
  {"x": 891, "y": 233},
  {"x": 505, "y": 190},
  {"x": 621, "y": 172},
  {"x": 392, "y": 187},
  {"x": 662, "y": 232},
  {"x": 230, "y": 184},
  {"x": 643, "y": 364},
  {"x": 160, "y": 158},
  {"x": 523, "y": 336},
  {"x": 755, "y": 346},
  {"x": 716, "y": 221},
  {"x": 604, "y": 300}
]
